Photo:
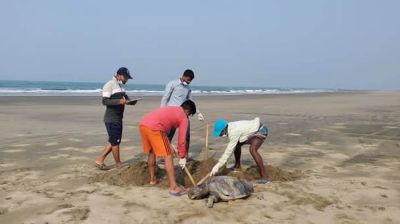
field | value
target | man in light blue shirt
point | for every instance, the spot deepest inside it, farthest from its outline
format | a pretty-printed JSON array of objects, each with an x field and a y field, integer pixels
[{"x": 177, "y": 92}]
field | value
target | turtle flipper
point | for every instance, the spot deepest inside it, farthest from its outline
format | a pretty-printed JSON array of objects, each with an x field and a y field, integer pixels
[{"x": 210, "y": 201}]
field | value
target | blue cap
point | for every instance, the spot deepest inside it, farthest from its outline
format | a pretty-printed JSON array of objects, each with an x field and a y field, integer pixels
[
  {"x": 125, "y": 72},
  {"x": 219, "y": 126},
  {"x": 263, "y": 130}
]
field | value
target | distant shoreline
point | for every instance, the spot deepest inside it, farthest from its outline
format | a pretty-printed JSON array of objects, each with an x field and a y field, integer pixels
[{"x": 44, "y": 88}]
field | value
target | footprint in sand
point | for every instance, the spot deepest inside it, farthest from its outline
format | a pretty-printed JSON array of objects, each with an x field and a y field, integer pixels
[
  {"x": 65, "y": 213},
  {"x": 77, "y": 214},
  {"x": 22, "y": 200}
]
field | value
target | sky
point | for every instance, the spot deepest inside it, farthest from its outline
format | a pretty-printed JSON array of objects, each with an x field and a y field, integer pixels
[{"x": 341, "y": 44}]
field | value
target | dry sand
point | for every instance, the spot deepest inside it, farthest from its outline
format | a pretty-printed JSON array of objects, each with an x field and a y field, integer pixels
[
  {"x": 136, "y": 174},
  {"x": 333, "y": 158}
]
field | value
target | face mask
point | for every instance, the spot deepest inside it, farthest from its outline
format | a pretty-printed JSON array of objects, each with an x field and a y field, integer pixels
[
  {"x": 224, "y": 135},
  {"x": 185, "y": 83},
  {"x": 121, "y": 82}
]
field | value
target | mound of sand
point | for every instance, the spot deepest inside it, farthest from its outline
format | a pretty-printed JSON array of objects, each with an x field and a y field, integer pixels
[
  {"x": 137, "y": 174},
  {"x": 273, "y": 173},
  {"x": 199, "y": 169}
]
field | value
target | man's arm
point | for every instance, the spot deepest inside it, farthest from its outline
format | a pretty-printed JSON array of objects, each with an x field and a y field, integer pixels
[
  {"x": 229, "y": 150},
  {"x": 107, "y": 91},
  {"x": 111, "y": 102},
  {"x": 228, "y": 153},
  {"x": 183, "y": 126},
  {"x": 167, "y": 94},
  {"x": 200, "y": 116}
]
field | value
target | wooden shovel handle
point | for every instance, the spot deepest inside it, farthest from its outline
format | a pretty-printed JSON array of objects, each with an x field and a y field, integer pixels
[
  {"x": 190, "y": 176},
  {"x": 204, "y": 179}
]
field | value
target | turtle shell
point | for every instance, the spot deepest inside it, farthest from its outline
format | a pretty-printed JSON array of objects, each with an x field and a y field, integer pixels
[{"x": 224, "y": 187}]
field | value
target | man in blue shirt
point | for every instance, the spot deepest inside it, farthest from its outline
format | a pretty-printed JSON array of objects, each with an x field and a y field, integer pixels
[{"x": 176, "y": 92}]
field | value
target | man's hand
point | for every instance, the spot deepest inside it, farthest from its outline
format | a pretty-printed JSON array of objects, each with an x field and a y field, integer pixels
[
  {"x": 182, "y": 163},
  {"x": 123, "y": 101},
  {"x": 215, "y": 169},
  {"x": 200, "y": 117}
]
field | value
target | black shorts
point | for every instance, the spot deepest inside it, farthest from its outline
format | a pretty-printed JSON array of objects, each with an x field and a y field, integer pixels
[{"x": 114, "y": 131}]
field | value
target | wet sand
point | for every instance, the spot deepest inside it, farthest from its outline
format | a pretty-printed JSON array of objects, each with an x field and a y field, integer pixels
[{"x": 343, "y": 147}]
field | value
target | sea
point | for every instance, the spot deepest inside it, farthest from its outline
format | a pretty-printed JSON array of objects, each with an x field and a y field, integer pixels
[{"x": 51, "y": 88}]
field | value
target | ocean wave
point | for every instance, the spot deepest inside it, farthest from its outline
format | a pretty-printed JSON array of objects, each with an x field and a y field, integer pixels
[
  {"x": 97, "y": 92},
  {"x": 38, "y": 90}
]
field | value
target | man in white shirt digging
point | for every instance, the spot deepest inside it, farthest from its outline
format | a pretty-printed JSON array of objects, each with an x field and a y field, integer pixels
[{"x": 240, "y": 133}]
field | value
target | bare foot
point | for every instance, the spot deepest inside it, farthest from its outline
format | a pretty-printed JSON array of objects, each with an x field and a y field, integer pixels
[{"x": 155, "y": 181}]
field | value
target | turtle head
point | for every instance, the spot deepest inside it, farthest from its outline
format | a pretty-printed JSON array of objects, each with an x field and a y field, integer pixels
[{"x": 198, "y": 192}]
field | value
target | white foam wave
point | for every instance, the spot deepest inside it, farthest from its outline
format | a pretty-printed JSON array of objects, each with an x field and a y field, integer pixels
[{"x": 96, "y": 92}]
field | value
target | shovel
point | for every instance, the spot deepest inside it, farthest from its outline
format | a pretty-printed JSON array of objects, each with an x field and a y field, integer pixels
[
  {"x": 190, "y": 176},
  {"x": 204, "y": 179},
  {"x": 186, "y": 169}
]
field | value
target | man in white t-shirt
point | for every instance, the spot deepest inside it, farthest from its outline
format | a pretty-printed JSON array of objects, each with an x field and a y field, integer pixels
[{"x": 251, "y": 132}]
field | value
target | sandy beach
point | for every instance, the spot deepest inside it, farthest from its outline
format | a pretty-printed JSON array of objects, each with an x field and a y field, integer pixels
[{"x": 345, "y": 145}]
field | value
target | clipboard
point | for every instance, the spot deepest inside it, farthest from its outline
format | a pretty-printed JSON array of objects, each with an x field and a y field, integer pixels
[{"x": 133, "y": 102}]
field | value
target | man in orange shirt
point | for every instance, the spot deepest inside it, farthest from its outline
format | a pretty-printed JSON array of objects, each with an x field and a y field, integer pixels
[{"x": 154, "y": 127}]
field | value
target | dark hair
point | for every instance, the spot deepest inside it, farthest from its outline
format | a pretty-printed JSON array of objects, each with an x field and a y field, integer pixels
[
  {"x": 189, "y": 105},
  {"x": 188, "y": 73}
]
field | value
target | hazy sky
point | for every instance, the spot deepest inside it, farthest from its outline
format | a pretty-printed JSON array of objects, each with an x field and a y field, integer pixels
[{"x": 315, "y": 44}]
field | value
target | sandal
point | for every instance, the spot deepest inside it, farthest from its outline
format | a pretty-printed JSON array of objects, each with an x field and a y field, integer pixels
[
  {"x": 262, "y": 181},
  {"x": 179, "y": 193},
  {"x": 101, "y": 166}
]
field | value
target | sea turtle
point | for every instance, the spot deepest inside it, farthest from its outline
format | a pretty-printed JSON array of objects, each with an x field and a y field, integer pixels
[{"x": 221, "y": 188}]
